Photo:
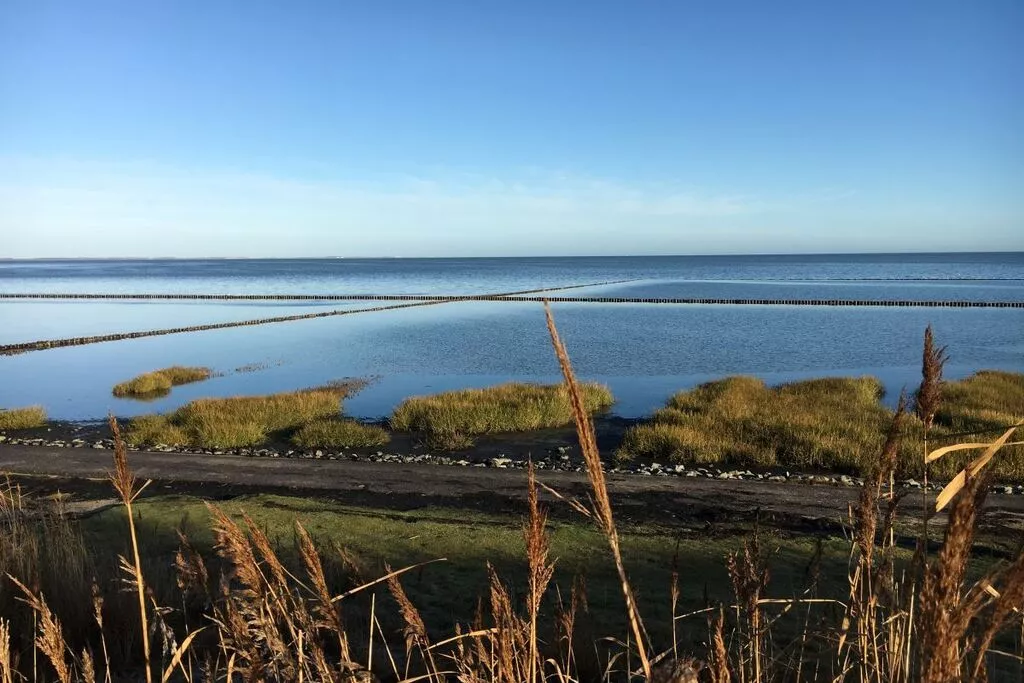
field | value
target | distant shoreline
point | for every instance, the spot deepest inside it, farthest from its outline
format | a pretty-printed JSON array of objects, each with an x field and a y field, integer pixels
[{"x": 740, "y": 256}]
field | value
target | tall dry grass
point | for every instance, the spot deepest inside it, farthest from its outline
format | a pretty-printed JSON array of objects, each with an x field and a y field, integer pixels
[{"x": 249, "y": 614}]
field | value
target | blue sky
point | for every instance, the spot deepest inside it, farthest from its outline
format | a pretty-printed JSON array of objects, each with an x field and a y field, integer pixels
[{"x": 211, "y": 128}]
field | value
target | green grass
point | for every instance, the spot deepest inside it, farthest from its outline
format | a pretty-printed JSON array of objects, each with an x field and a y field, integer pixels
[
  {"x": 237, "y": 421},
  {"x": 469, "y": 540},
  {"x": 987, "y": 400},
  {"x": 834, "y": 423},
  {"x": 159, "y": 382},
  {"x": 22, "y": 418},
  {"x": 451, "y": 419},
  {"x": 335, "y": 433}
]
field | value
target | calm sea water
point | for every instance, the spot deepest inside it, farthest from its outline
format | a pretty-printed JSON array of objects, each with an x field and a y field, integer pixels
[{"x": 645, "y": 352}]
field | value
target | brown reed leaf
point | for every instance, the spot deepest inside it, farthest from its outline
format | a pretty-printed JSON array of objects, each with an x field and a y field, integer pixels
[{"x": 971, "y": 471}]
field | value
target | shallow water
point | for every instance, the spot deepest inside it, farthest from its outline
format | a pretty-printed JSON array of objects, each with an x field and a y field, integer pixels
[{"x": 644, "y": 351}]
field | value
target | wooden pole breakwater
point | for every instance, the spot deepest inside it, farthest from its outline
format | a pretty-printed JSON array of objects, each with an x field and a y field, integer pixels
[
  {"x": 445, "y": 298},
  {"x": 40, "y": 345},
  {"x": 410, "y": 301}
]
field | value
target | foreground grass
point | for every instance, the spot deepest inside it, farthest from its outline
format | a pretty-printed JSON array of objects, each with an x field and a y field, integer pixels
[
  {"x": 446, "y": 593},
  {"x": 451, "y": 419},
  {"x": 22, "y": 418},
  {"x": 159, "y": 382},
  {"x": 833, "y": 423},
  {"x": 238, "y": 421}
]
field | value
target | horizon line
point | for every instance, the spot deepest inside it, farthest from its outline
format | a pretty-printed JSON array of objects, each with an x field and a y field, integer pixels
[{"x": 504, "y": 256}]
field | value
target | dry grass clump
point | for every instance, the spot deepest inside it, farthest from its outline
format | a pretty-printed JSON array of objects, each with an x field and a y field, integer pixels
[
  {"x": 22, "y": 418},
  {"x": 833, "y": 422},
  {"x": 237, "y": 421},
  {"x": 340, "y": 433},
  {"x": 159, "y": 382},
  {"x": 451, "y": 419}
]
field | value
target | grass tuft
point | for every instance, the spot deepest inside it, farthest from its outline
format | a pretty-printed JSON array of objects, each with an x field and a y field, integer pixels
[
  {"x": 335, "y": 433},
  {"x": 450, "y": 419},
  {"x": 238, "y": 421},
  {"x": 159, "y": 382},
  {"x": 22, "y": 418},
  {"x": 832, "y": 422}
]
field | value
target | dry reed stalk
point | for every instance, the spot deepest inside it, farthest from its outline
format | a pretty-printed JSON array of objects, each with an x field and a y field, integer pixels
[
  {"x": 97, "y": 615},
  {"x": 749, "y": 577},
  {"x": 129, "y": 489},
  {"x": 944, "y": 613},
  {"x": 325, "y": 609},
  {"x": 191, "y": 573},
  {"x": 871, "y": 492},
  {"x": 232, "y": 544},
  {"x": 600, "y": 502},
  {"x": 88, "y": 669},
  {"x": 674, "y": 597},
  {"x": 50, "y": 636},
  {"x": 866, "y": 585},
  {"x": 719, "y": 656},
  {"x": 927, "y": 401},
  {"x": 541, "y": 571},
  {"x": 415, "y": 629},
  {"x": 6, "y": 670},
  {"x": 511, "y": 634}
]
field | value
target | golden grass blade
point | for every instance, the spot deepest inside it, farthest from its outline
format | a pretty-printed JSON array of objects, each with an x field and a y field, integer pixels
[
  {"x": 463, "y": 636},
  {"x": 972, "y": 470},
  {"x": 384, "y": 578},
  {"x": 179, "y": 653},
  {"x": 939, "y": 452}
]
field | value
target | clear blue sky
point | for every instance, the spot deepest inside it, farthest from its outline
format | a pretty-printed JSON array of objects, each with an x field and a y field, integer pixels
[{"x": 187, "y": 128}]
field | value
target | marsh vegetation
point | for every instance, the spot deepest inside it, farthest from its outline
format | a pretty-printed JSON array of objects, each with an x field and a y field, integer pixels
[{"x": 159, "y": 382}]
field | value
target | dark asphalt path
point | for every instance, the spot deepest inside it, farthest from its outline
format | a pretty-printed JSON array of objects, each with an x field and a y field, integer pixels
[{"x": 668, "y": 500}]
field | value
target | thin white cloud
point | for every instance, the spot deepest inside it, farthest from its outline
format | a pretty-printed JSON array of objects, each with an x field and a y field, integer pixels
[{"x": 70, "y": 208}]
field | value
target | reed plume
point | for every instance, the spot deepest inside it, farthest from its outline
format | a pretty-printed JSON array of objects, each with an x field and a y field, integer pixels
[
  {"x": 929, "y": 394},
  {"x": 600, "y": 503},
  {"x": 129, "y": 489},
  {"x": 541, "y": 570}
]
